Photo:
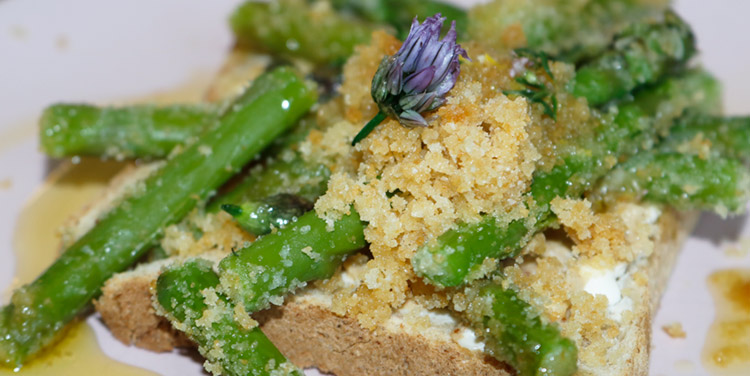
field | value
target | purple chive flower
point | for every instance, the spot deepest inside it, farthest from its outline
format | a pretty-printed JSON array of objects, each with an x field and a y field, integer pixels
[{"x": 417, "y": 78}]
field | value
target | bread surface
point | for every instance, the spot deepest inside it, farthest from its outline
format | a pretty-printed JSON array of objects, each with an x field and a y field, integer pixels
[{"x": 311, "y": 335}]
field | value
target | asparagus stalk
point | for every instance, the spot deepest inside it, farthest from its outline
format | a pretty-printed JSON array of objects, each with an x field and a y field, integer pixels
[
  {"x": 261, "y": 217},
  {"x": 686, "y": 182},
  {"x": 233, "y": 346},
  {"x": 281, "y": 262},
  {"x": 305, "y": 179},
  {"x": 516, "y": 334},
  {"x": 139, "y": 131},
  {"x": 38, "y": 311},
  {"x": 728, "y": 137},
  {"x": 295, "y": 29},
  {"x": 570, "y": 30},
  {"x": 152, "y": 132},
  {"x": 640, "y": 55},
  {"x": 146, "y": 131},
  {"x": 399, "y": 13},
  {"x": 314, "y": 32},
  {"x": 135, "y": 131},
  {"x": 701, "y": 165},
  {"x": 450, "y": 259}
]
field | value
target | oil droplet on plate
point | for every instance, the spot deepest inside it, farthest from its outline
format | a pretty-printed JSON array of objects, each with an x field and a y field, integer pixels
[
  {"x": 37, "y": 243},
  {"x": 78, "y": 353},
  {"x": 63, "y": 196},
  {"x": 726, "y": 351}
]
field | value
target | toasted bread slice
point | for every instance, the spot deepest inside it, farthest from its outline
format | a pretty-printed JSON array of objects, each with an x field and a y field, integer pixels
[
  {"x": 307, "y": 331},
  {"x": 311, "y": 332}
]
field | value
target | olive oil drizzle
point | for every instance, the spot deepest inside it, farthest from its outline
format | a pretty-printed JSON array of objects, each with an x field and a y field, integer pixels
[
  {"x": 36, "y": 243},
  {"x": 726, "y": 351}
]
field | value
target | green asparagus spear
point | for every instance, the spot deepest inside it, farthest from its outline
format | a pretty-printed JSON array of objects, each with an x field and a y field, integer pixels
[
  {"x": 451, "y": 258},
  {"x": 139, "y": 131},
  {"x": 261, "y": 217},
  {"x": 399, "y": 13},
  {"x": 135, "y": 131},
  {"x": 640, "y": 55},
  {"x": 570, "y": 30},
  {"x": 683, "y": 181},
  {"x": 286, "y": 172},
  {"x": 515, "y": 333},
  {"x": 280, "y": 262},
  {"x": 38, "y": 311},
  {"x": 699, "y": 166},
  {"x": 307, "y": 180},
  {"x": 187, "y": 294},
  {"x": 295, "y": 29},
  {"x": 709, "y": 176},
  {"x": 728, "y": 137}
]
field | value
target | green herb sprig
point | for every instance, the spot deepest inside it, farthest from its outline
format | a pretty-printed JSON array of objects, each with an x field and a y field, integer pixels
[{"x": 535, "y": 91}]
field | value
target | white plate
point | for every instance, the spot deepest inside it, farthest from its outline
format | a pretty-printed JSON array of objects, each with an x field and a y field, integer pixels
[{"x": 104, "y": 52}]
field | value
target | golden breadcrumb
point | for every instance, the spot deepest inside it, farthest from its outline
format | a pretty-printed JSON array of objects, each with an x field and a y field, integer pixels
[
  {"x": 204, "y": 231},
  {"x": 413, "y": 184},
  {"x": 553, "y": 275},
  {"x": 593, "y": 234},
  {"x": 674, "y": 330}
]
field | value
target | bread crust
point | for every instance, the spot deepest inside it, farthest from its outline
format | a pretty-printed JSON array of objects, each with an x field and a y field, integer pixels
[
  {"x": 675, "y": 227},
  {"x": 126, "y": 309},
  {"x": 312, "y": 336}
]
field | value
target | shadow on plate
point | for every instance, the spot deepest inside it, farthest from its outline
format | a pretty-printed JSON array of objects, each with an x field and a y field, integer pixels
[{"x": 719, "y": 230}]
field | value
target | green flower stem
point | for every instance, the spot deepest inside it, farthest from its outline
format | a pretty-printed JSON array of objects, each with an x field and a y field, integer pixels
[
  {"x": 39, "y": 311},
  {"x": 379, "y": 117}
]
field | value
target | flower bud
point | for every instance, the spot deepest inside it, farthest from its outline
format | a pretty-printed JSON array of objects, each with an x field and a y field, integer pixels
[{"x": 417, "y": 78}]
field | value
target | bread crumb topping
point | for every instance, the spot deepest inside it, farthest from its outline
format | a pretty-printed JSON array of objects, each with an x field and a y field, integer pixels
[
  {"x": 412, "y": 184},
  {"x": 201, "y": 232},
  {"x": 477, "y": 157},
  {"x": 591, "y": 287}
]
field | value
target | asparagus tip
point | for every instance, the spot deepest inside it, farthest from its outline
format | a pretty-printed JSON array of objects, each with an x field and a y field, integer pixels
[{"x": 233, "y": 210}]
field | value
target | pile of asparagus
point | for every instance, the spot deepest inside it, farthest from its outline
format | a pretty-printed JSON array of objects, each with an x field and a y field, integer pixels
[{"x": 648, "y": 104}]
